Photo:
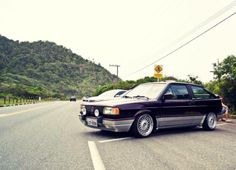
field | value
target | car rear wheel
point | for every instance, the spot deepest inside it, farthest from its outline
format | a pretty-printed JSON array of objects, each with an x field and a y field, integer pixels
[
  {"x": 210, "y": 122},
  {"x": 143, "y": 125}
]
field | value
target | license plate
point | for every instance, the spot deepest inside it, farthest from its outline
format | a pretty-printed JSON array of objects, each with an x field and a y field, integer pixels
[{"x": 92, "y": 122}]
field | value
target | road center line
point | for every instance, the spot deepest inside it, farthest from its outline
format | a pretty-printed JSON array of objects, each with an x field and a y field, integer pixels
[
  {"x": 22, "y": 111},
  {"x": 96, "y": 159},
  {"x": 113, "y": 140}
]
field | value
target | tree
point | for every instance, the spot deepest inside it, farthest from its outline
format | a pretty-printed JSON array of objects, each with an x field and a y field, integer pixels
[
  {"x": 225, "y": 69},
  {"x": 225, "y": 80},
  {"x": 194, "y": 79}
]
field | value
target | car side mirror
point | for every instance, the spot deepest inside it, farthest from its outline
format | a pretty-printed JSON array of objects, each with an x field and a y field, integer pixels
[{"x": 167, "y": 96}]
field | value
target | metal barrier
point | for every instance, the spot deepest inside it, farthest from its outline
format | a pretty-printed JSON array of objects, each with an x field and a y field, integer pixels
[{"x": 12, "y": 101}]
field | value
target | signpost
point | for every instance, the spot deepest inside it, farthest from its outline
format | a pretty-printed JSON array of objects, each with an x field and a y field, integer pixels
[{"x": 158, "y": 72}]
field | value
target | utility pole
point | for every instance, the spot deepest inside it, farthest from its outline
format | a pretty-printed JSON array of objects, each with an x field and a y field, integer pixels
[{"x": 117, "y": 68}]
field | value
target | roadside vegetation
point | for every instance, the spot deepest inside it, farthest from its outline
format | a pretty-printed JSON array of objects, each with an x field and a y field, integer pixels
[{"x": 224, "y": 83}]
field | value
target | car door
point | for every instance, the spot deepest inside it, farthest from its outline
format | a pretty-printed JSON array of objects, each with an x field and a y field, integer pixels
[
  {"x": 202, "y": 102},
  {"x": 176, "y": 111}
]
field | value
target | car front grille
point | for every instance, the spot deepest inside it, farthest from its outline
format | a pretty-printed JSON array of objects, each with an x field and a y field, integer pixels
[{"x": 90, "y": 110}]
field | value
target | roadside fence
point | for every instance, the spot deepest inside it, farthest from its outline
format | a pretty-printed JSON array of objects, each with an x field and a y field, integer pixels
[{"x": 12, "y": 101}]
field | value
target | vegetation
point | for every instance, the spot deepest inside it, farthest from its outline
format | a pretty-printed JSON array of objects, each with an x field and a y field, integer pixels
[
  {"x": 224, "y": 82},
  {"x": 48, "y": 70}
]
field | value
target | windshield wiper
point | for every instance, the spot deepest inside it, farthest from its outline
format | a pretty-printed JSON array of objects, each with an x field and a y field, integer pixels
[{"x": 138, "y": 96}]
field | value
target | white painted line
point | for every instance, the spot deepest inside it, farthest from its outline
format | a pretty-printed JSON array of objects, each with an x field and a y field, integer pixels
[
  {"x": 22, "y": 111},
  {"x": 97, "y": 161},
  {"x": 113, "y": 140}
]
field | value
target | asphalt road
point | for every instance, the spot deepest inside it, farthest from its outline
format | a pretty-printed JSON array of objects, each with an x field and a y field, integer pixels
[{"x": 50, "y": 136}]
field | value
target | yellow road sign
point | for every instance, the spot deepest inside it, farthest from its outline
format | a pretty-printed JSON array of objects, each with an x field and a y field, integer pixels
[
  {"x": 158, "y": 75},
  {"x": 158, "y": 68}
]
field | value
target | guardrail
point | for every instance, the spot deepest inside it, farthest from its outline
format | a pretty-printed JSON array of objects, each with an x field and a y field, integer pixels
[{"x": 11, "y": 101}]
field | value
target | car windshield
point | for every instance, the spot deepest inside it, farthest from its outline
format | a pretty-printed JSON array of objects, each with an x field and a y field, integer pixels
[
  {"x": 150, "y": 90},
  {"x": 110, "y": 93}
]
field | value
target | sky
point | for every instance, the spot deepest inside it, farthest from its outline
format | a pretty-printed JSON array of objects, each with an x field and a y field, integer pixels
[{"x": 130, "y": 33}]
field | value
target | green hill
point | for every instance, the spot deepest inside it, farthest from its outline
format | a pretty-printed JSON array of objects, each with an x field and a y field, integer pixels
[{"x": 47, "y": 69}]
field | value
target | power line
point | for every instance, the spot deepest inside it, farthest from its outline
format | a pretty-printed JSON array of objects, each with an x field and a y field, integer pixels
[
  {"x": 205, "y": 22},
  {"x": 184, "y": 44},
  {"x": 200, "y": 25}
]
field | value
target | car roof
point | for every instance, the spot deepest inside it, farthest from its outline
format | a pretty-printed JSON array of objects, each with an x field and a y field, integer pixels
[
  {"x": 173, "y": 82},
  {"x": 117, "y": 90}
]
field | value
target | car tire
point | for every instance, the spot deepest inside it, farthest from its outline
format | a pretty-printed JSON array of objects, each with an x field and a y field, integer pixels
[
  {"x": 210, "y": 122},
  {"x": 143, "y": 125}
]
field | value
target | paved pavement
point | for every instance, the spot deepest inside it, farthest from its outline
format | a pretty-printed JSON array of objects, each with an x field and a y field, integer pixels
[{"x": 50, "y": 136}]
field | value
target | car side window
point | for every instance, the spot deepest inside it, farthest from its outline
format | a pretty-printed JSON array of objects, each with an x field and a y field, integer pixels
[
  {"x": 178, "y": 92},
  {"x": 119, "y": 93},
  {"x": 200, "y": 93}
]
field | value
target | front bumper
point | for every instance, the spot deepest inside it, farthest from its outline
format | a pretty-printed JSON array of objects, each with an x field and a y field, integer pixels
[{"x": 115, "y": 125}]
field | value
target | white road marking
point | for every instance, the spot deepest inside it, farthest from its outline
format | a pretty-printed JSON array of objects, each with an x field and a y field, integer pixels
[
  {"x": 97, "y": 161},
  {"x": 22, "y": 111},
  {"x": 113, "y": 140}
]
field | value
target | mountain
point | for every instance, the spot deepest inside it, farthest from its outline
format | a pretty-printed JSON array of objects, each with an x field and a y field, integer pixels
[{"x": 43, "y": 68}]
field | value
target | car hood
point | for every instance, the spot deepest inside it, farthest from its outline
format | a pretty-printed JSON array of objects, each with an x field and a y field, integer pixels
[
  {"x": 97, "y": 99},
  {"x": 118, "y": 101}
]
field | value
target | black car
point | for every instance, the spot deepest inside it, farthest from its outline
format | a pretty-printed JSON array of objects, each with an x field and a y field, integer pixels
[
  {"x": 72, "y": 99},
  {"x": 153, "y": 106}
]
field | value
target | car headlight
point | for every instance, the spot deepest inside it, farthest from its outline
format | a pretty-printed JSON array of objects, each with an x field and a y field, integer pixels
[
  {"x": 96, "y": 112},
  {"x": 83, "y": 110},
  {"x": 111, "y": 111}
]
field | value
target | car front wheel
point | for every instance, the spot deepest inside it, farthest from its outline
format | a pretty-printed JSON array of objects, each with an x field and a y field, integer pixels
[
  {"x": 143, "y": 125},
  {"x": 210, "y": 122}
]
